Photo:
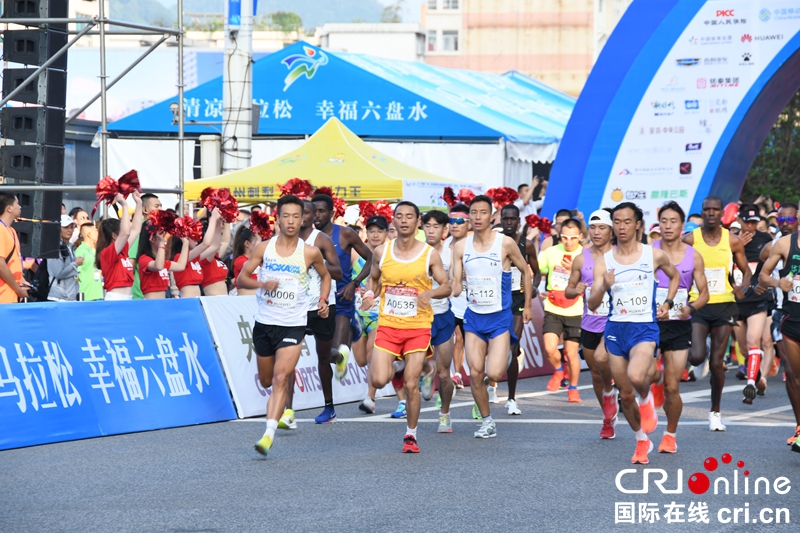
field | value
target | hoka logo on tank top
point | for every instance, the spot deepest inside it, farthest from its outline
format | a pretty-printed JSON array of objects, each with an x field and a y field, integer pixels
[{"x": 278, "y": 267}]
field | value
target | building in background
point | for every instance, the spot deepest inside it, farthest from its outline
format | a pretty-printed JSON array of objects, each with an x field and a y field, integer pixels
[
  {"x": 554, "y": 41},
  {"x": 405, "y": 42}
]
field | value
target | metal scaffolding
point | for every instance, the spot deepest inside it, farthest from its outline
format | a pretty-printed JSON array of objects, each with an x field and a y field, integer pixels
[{"x": 99, "y": 26}]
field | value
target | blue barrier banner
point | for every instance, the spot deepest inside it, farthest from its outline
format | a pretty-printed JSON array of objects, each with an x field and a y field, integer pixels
[{"x": 87, "y": 369}]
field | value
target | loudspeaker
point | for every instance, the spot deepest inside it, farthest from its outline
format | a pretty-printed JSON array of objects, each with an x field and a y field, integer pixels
[
  {"x": 32, "y": 162},
  {"x": 34, "y": 47},
  {"x": 29, "y": 9},
  {"x": 38, "y": 239},
  {"x": 41, "y": 205},
  {"x": 40, "y": 125},
  {"x": 50, "y": 88}
]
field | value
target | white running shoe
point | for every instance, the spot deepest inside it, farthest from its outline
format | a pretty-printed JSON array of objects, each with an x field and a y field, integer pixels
[
  {"x": 487, "y": 430},
  {"x": 493, "y": 395},
  {"x": 715, "y": 422},
  {"x": 368, "y": 406},
  {"x": 705, "y": 370},
  {"x": 511, "y": 405}
]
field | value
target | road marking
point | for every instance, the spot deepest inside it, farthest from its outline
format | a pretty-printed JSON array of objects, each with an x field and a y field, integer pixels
[
  {"x": 759, "y": 413},
  {"x": 575, "y": 421},
  {"x": 703, "y": 395}
]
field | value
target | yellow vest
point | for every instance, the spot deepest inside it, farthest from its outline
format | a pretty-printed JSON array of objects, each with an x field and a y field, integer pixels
[
  {"x": 401, "y": 282},
  {"x": 718, "y": 263}
]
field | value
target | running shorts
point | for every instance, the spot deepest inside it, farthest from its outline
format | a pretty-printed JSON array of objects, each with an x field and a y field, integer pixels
[
  {"x": 590, "y": 340},
  {"x": 345, "y": 307},
  {"x": 570, "y": 326},
  {"x": 716, "y": 315},
  {"x": 267, "y": 340},
  {"x": 368, "y": 321},
  {"x": 401, "y": 342},
  {"x": 748, "y": 309},
  {"x": 517, "y": 302},
  {"x": 322, "y": 328},
  {"x": 675, "y": 335},
  {"x": 490, "y": 325},
  {"x": 622, "y": 337},
  {"x": 777, "y": 318},
  {"x": 790, "y": 328},
  {"x": 443, "y": 327}
]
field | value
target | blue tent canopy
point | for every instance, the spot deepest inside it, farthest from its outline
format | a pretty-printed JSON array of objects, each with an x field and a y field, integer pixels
[{"x": 301, "y": 86}]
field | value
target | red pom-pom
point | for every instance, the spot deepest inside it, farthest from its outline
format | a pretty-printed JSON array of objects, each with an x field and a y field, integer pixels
[
  {"x": 449, "y": 197},
  {"x": 366, "y": 210},
  {"x": 545, "y": 226},
  {"x": 339, "y": 207},
  {"x": 383, "y": 209},
  {"x": 532, "y": 221},
  {"x": 162, "y": 221},
  {"x": 298, "y": 187},
  {"x": 128, "y": 183},
  {"x": 325, "y": 190},
  {"x": 465, "y": 196},
  {"x": 221, "y": 198},
  {"x": 502, "y": 196},
  {"x": 262, "y": 224},
  {"x": 108, "y": 188},
  {"x": 188, "y": 228}
]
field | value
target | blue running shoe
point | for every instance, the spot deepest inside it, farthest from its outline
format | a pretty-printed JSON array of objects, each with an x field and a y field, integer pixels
[
  {"x": 327, "y": 416},
  {"x": 400, "y": 412}
]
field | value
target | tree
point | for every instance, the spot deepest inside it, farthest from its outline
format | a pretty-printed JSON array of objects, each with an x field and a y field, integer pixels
[
  {"x": 286, "y": 20},
  {"x": 392, "y": 12},
  {"x": 776, "y": 169}
]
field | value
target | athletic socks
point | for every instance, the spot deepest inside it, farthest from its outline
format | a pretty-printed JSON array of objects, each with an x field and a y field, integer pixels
[
  {"x": 412, "y": 432},
  {"x": 398, "y": 366},
  {"x": 329, "y": 404},
  {"x": 560, "y": 368},
  {"x": 272, "y": 425},
  {"x": 487, "y": 419},
  {"x": 572, "y": 387},
  {"x": 640, "y": 435},
  {"x": 608, "y": 393},
  {"x": 670, "y": 434},
  {"x": 753, "y": 364}
]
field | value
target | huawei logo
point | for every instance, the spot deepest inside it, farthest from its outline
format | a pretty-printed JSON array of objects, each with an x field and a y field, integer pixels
[{"x": 747, "y": 38}]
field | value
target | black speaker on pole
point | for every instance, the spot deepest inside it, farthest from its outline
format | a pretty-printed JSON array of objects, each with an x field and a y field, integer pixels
[{"x": 33, "y": 153}]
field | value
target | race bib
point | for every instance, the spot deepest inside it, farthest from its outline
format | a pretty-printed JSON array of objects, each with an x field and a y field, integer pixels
[
  {"x": 285, "y": 295},
  {"x": 738, "y": 277},
  {"x": 716, "y": 280},
  {"x": 559, "y": 279},
  {"x": 400, "y": 301},
  {"x": 681, "y": 300},
  {"x": 794, "y": 294},
  {"x": 600, "y": 311},
  {"x": 483, "y": 291},
  {"x": 632, "y": 298},
  {"x": 516, "y": 279},
  {"x": 98, "y": 275}
]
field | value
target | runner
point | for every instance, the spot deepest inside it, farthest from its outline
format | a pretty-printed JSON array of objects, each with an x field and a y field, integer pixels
[
  {"x": 676, "y": 331},
  {"x": 719, "y": 249},
  {"x": 628, "y": 274},
  {"x": 283, "y": 302},
  {"x": 486, "y": 258},
  {"x": 460, "y": 228},
  {"x": 434, "y": 224},
  {"x": 562, "y": 316},
  {"x": 787, "y": 224},
  {"x": 344, "y": 241},
  {"x": 321, "y": 328},
  {"x": 755, "y": 305},
  {"x": 787, "y": 251},
  {"x": 593, "y": 323},
  {"x": 562, "y": 215},
  {"x": 377, "y": 227},
  {"x": 404, "y": 270},
  {"x": 509, "y": 217}
]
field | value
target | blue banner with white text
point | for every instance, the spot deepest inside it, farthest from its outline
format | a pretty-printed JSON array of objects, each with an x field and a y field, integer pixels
[{"x": 87, "y": 369}]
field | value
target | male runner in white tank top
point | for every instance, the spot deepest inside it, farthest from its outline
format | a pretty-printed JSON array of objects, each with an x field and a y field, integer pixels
[{"x": 283, "y": 291}]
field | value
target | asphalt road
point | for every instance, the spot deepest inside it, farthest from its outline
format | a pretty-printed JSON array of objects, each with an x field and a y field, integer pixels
[{"x": 547, "y": 470}]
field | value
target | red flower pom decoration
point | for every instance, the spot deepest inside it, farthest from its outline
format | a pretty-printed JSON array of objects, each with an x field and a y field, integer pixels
[
  {"x": 543, "y": 224},
  {"x": 108, "y": 188},
  {"x": 449, "y": 197},
  {"x": 262, "y": 224},
  {"x": 298, "y": 187},
  {"x": 502, "y": 196},
  {"x": 128, "y": 183},
  {"x": 465, "y": 196},
  {"x": 221, "y": 198},
  {"x": 339, "y": 207},
  {"x": 188, "y": 228},
  {"x": 366, "y": 210},
  {"x": 325, "y": 190},
  {"x": 162, "y": 221},
  {"x": 382, "y": 208}
]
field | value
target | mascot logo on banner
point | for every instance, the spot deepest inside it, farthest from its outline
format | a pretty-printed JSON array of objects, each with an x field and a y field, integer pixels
[{"x": 306, "y": 63}]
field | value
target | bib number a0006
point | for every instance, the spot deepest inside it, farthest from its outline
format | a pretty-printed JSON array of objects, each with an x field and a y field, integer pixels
[
  {"x": 681, "y": 300},
  {"x": 632, "y": 298},
  {"x": 285, "y": 295},
  {"x": 400, "y": 301},
  {"x": 600, "y": 311},
  {"x": 483, "y": 291}
]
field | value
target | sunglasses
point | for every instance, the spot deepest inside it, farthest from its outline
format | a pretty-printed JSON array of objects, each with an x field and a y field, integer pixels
[
  {"x": 458, "y": 221},
  {"x": 569, "y": 237},
  {"x": 784, "y": 220}
]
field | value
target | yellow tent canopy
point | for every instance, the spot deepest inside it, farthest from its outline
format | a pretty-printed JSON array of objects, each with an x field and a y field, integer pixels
[{"x": 334, "y": 157}]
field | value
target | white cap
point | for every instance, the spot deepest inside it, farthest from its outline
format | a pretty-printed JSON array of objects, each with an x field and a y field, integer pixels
[
  {"x": 67, "y": 221},
  {"x": 736, "y": 225},
  {"x": 600, "y": 216}
]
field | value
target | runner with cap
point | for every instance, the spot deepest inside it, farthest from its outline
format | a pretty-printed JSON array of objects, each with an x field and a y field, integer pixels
[
  {"x": 460, "y": 228},
  {"x": 593, "y": 323}
]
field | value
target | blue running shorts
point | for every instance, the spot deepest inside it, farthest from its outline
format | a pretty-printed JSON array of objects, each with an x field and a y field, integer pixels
[
  {"x": 443, "y": 327},
  {"x": 621, "y": 337},
  {"x": 490, "y": 325}
]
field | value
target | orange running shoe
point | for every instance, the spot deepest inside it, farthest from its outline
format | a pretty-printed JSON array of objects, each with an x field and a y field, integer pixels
[
  {"x": 574, "y": 396},
  {"x": 794, "y": 437},
  {"x": 610, "y": 405},
  {"x": 643, "y": 447},
  {"x": 647, "y": 412},
  {"x": 410, "y": 444},
  {"x": 775, "y": 367},
  {"x": 668, "y": 445},
  {"x": 657, "y": 392},
  {"x": 555, "y": 382},
  {"x": 685, "y": 375},
  {"x": 608, "y": 430}
]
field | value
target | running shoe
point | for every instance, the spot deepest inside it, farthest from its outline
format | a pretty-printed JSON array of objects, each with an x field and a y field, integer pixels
[
  {"x": 341, "y": 367},
  {"x": 426, "y": 386},
  {"x": 657, "y": 391},
  {"x": 692, "y": 377},
  {"x": 476, "y": 413},
  {"x": 794, "y": 437},
  {"x": 367, "y": 405},
  {"x": 608, "y": 430},
  {"x": 445, "y": 424},
  {"x": 555, "y": 382},
  {"x": 749, "y": 394},
  {"x": 511, "y": 405},
  {"x": 685, "y": 375},
  {"x": 327, "y": 416},
  {"x": 796, "y": 445},
  {"x": 649, "y": 417},
  {"x": 510, "y": 358},
  {"x": 773, "y": 371},
  {"x": 492, "y": 394},
  {"x": 487, "y": 430},
  {"x": 287, "y": 421},
  {"x": 521, "y": 359},
  {"x": 715, "y": 422},
  {"x": 410, "y": 444},
  {"x": 457, "y": 381},
  {"x": 610, "y": 405},
  {"x": 706, "y": 369},
  {"x": 741, "y": 372},
  {"x": 643, "y": 447},
  {"x": 439, "y": 401},
  {"x": 400, "y": 412},
  {"x": 573, "y": 396},
  {"x": 263, "y": 445},
  {"x": 668, "y": 444},
  {"x": 761, "y": 387}
]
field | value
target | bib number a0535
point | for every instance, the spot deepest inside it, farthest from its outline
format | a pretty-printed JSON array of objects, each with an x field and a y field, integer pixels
[{"x": 400, "y": 301}]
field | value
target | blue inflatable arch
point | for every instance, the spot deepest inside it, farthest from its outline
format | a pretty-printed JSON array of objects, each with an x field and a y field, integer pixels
[{"x": 678, "y": 104}]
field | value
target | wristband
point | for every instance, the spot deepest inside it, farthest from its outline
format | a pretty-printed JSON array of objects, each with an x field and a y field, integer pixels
[
  {"x": 670, "y": 303},
  {"x": 691, "y": 308},
  {"x": 369, "y": 294}
]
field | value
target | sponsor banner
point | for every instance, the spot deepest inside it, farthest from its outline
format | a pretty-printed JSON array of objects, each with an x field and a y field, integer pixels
[
  {"x": 87, "y": 369},
  {"x": 230, "y": 319}
]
